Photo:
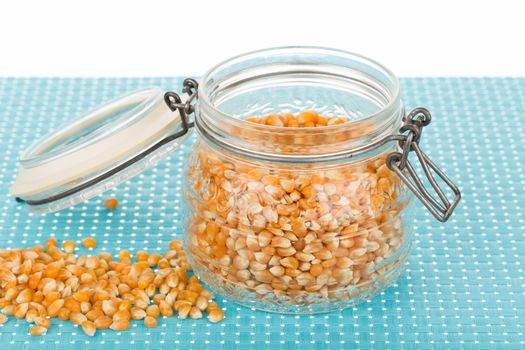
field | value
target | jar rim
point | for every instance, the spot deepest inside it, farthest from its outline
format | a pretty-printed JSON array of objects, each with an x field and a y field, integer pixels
[
  {"x": 204, "y": 94},
  {"x": 332, "y": 69}
]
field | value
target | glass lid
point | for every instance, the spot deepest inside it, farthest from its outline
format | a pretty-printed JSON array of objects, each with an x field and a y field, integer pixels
[{"x": 97, "y": 151}]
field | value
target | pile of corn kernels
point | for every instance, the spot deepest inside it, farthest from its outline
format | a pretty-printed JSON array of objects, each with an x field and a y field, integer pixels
[
  {"x": 294, "y": 234},
  {"x": 306, "y": 119},
  {"x": 96, "y": 292}
]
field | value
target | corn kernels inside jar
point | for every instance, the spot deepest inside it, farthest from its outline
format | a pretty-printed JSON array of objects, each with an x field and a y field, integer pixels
[{"x": 295, "y": 238}]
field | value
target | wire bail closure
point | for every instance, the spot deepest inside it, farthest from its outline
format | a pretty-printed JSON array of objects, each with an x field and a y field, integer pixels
[
  {"x": 174, "y": 102},
  {"x": 398, "y": 162}
]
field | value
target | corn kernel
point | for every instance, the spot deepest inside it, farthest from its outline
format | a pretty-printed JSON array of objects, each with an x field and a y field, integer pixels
[
  {"x": 120, "y": 325},
  {"x": 153, "y": 311},
  {"x": 215, "y": 315},
  {"x": 142, "y": 255},
  {"x": 111, "y": 203},
  {"x": 51, "y": 242},
  {"x": 69, "y": 246},
  {"x": 89, "y": 328},
  {"x": 89, "y": 242},
  {"x": 150, "y": 322},
  {"x": 103, "y": 322},
  {"x": 42, "y": 321},
  {"x": 37, "y": 330}
]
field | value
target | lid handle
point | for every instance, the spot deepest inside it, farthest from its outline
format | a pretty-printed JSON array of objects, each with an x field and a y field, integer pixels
[
  {"x": 174, "y": 102},
  {"x": 398, "y": 162}
]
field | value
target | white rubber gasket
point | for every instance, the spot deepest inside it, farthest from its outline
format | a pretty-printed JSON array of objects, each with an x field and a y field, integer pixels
[{"x": 77, "y": 152}]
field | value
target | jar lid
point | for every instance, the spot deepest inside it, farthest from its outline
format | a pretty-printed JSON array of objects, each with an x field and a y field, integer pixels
[{"x": 98, "y": 150}]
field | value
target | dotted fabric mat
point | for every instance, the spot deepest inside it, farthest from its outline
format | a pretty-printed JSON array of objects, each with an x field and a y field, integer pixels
[{"x": 464, "y": 285}]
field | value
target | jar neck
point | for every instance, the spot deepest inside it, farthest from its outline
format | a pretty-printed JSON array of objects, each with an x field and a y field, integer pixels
[{"x": 248, "y": 85}]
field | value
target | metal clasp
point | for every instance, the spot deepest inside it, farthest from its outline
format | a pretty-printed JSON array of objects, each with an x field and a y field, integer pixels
[
  {"x": 398, "y": 162},
  {"x": 174, "y": 103}
]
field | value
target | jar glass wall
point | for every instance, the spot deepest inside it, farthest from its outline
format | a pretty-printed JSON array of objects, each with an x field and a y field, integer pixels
[{"x": 293, "y": 219}]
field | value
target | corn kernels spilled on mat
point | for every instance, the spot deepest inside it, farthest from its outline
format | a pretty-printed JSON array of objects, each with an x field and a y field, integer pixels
[{"x": 95, "y": 292}]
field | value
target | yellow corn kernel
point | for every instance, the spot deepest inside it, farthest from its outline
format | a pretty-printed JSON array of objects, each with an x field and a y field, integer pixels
[
  {"x": 153, "y": 311},
  {"x": 307, "y": 116},
  {"x": 124, "y": 255},
  {"x": 137, "y": 313},
  {"x": 109, "y": 307},
  {"x": 212, "y": 306},
  {"x": 215, "y": 315},
  {"x": 153, "y": 259},
  {"x": 21, "y": 310},
  {"x": 121, "y": 315},
  {"x": 309, "y": 125},
  {"x": 9, "y": 309},
  {"x": 177, "y": 305},
  {"x": 82, "y": 296},
  {"x": 184, "y": 311},
  {"x": 111, "y": 203},
  {"x": 163, "y": 263},
  {"x": 322, "y": 121},
  {"x": 105, "y": 256},
  {"x": 274, "y": 120},
  {"x": 293, "y": 124},
  {"x": 37, "y": 330},
  {"x": 165, "y": 309},
  {"x": 188, "y": 295},
  {"x": 94, "y": 314},
  {"x": 150, "y": 322},
  {"x": 89, "y": 242},
  {"x": 142, "y": 255},
  {"x": 42, "y": 321},
  {"x": 64, "y": 314},
  {"x": 145, "y": 280},
  {"x": 31, "y": 314},
  {"x": 120, "y": 325},
  {"x": 125, "y": 305},
  {"x": 51, "y": 241},
  {"x": 25, "y": 296},
  {"x": 52, "y": 296},
  {"x": 195, "y": 312},
  {"x": 69, "y": 246},
  {"x": 85, "y": 307},
  {"x": 158, "y": 298},
  {"x": 103, "y": 322},
  {"x": 175, "y": 245},
  {"x": 89, "y": 328},
  {"x": 77, "y": 318}
]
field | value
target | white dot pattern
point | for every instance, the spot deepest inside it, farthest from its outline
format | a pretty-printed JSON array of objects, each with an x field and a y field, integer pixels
[{"x": 464, "y": 286}]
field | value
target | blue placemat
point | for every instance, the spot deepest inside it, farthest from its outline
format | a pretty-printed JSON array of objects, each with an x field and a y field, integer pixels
[{"x": 464, "y": 287}]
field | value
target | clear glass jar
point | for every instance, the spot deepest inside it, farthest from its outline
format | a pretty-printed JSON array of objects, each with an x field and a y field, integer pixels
[{"x": 297, "y": 220}]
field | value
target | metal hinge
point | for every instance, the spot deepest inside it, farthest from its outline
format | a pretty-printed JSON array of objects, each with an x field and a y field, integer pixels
[
  {"x": 174, "y": 102},
  {"x": 399, "y": 163}
]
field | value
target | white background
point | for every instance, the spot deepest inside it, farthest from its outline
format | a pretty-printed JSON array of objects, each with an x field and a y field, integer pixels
[{"x": 170, "y": 38}]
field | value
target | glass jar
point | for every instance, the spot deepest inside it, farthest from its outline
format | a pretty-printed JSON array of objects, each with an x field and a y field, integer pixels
[
  {"x": 284, "y": 218},
  {"x": 287, "y": 219}
]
